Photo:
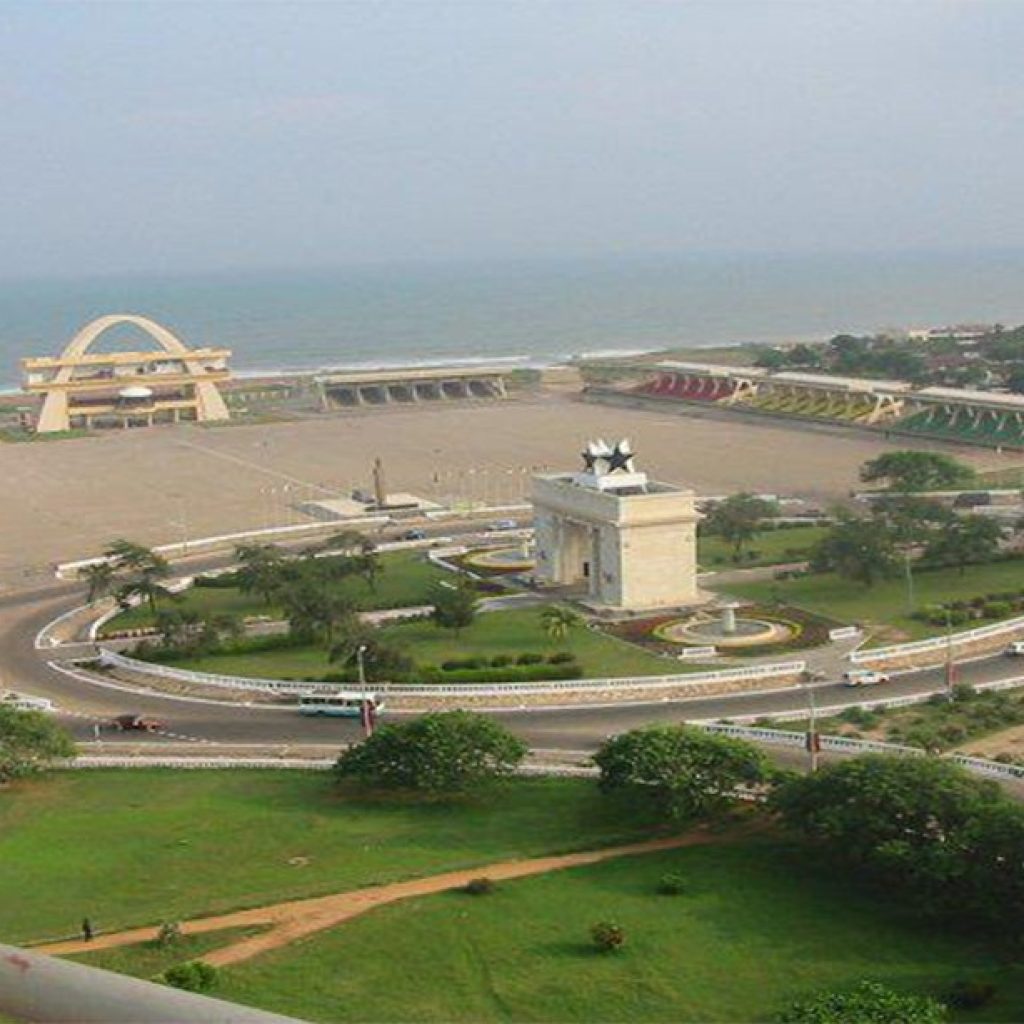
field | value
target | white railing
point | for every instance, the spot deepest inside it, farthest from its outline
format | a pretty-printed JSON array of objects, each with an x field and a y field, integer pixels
[
  {"x": 938, "y": 643},
  {"x": 788, "y": 738},
  {"x": 844, "y": 632},
  {"x": 293, "y": 686},
  {"x": 696, "y": 653},
  {"x": 288, "y": 763},
  {"x": 995, "y": 769}
]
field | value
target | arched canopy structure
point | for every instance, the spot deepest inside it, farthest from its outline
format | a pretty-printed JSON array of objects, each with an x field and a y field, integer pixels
[{"x": 81, "y": 387}]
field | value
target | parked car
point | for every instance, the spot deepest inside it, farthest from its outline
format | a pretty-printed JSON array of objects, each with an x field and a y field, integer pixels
[
  {"x": 1015, "y": 649},
  {"x": 23, "y": 702},
  {"x": 414, "y": 535},
  {"x": 864, "y": 677},
  {"x": 136, "y": 723}
]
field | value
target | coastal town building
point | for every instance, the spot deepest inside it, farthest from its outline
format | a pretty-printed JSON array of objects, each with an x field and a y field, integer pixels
[
  {"x": 629, "y": 541},
  {"x": 83, "y": 388}
]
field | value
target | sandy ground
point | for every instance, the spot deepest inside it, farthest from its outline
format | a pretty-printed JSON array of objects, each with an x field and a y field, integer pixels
[
  {"x": 66, "y": 499},
  {"x": 298, "y": 918}
]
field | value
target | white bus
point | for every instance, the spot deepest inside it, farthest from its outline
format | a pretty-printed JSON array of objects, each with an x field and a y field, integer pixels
[{"x": 344, "y": 704}]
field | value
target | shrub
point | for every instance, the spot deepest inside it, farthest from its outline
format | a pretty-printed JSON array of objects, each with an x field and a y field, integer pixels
[
  {"x": 193, "y": 976},
  {"x": 169, "y": 933},
  {"x": 607, "y": 936},
  {"x": 529, "y": 659},
  {"x": 998, "y": 609},
  {"x": 970, "y": 994},
  {"x": 480, "y": 886},
  {"x": 671, "y": 885},
  {"x": 501, "y": 660},
  {"x": 561, "y": 658}
]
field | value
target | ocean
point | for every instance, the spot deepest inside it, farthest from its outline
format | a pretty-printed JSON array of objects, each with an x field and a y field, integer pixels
[{"x": 531, "y": 310}]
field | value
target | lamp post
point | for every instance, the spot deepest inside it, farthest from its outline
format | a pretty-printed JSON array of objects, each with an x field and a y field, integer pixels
[
  {"x": 813, "y": 743},
  {"x": 365, "y": 712},
  {"x": 950, "y": 672},
  {"x": 910, "y": 581}
]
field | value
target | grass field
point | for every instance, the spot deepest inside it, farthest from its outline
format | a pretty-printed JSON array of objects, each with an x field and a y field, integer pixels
[
  {"x": 147, "y": 845},
  {"x": 510, "y": 632},
  {"x": 758, "y": 927},
  {"x": 884, "y": 605},
  {"x": 772, "y": 547},
  {"x": 405, "y": 582}
]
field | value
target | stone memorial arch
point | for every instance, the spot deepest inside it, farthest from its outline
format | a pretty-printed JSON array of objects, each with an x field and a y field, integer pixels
[{"x": 80, "y": 383}]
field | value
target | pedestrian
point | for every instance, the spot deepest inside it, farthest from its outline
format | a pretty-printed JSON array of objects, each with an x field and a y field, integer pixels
[{"x": 87, "y": 929}]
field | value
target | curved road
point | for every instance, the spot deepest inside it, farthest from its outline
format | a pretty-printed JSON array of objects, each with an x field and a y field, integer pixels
[{"x": 82, "y": 704}]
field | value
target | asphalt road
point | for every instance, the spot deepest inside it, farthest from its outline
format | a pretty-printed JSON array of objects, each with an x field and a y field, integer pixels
[{"x": 82, "y": 704}]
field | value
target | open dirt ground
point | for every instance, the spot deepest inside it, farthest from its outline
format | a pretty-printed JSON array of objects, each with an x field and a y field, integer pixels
[{"x": 65, "y": 499}]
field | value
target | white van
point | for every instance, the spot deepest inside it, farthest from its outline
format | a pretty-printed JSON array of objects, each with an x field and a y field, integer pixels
[
  {"x": 22, "y": 702},
  {"x": 1015, "y": 649}
]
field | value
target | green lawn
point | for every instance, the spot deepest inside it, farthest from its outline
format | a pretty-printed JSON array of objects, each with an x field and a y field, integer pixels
[
  {"x": 772, "y": 547},
  {"x": 885, "y": 603},
  {"x": 758, "y": 928},
  {"x": 138, "y": 847},
  {"x": 492, "y": 633},
  {"x": 405, "y": 582},
  {"x": 148, "y": 959}
]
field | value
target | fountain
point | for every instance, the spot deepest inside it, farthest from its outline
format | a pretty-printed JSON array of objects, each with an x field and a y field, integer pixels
[{"x": 726, "y": 629}]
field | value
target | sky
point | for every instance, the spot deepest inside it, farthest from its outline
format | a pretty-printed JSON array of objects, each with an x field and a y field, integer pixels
[{"x": 182, "y": 136}]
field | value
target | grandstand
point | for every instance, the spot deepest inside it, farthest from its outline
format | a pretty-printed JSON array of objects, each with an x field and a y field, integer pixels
[{"x": 958, "y": 415}]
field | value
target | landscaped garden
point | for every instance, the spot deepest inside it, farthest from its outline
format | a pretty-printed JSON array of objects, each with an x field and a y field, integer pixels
[
  {"x": 146, "y": 845},
  {"x": 883, "y": 606},
  {"x": 768, "y": 547},
  {"x": 404, "y": 580},
  {"x": 497, "y": 640},
  {"x": 754, "y": 926},
  {"x": 735, "y": 930}
]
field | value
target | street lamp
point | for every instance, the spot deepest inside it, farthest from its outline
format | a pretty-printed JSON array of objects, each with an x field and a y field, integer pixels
[
  {"x": 949, "y": 656},
  {"x": 813, "y": 742},
  {"x": 910, "y": 582},
  {"x": 365, "y": 710}
]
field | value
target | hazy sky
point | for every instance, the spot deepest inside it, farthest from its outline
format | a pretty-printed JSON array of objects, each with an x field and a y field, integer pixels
[{"x": 181, "y": 136}]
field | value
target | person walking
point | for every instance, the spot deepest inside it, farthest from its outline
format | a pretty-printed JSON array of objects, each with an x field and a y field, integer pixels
[{"x": 87, "y": 929}]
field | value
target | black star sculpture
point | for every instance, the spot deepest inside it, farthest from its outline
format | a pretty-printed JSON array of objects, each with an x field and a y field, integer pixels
[
  {"x": 589, "y": 460},
  {"x": 619, "y": 459}
]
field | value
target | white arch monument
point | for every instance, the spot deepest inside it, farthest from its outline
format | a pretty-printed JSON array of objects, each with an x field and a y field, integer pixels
[{"x": 85, "y": 388}]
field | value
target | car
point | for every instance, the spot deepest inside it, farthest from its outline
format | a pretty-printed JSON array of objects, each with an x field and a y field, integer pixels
[
  {"x": 414, "y": 535},
  {"x": 23, "y": 702},
  {"x": 136, "y": 723},
  {"x": 1015, "y": 649},
  {"x": 864, "y": 677},
  {"x": 505, "y": 524}
]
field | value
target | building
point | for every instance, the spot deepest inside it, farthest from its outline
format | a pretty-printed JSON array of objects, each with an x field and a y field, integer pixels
[
  {"x": 631, "y": 542},
  {"x": 83, "y": 388},
  {"x": 396, "y": 387}
]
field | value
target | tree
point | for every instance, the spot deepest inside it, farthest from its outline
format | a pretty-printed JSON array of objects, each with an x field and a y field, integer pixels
[
  {"x": 369, "y": 566},
  {"x": 29, "y": 742},
  {"x": 315, "y": 612},
  {"x": 381, "y": 662},
  {"x": 607, "y": 936},
  {"x": 558, "y": 620},
  {"x": 911, "y": 520},
  {"x": 965, "y": 540},
  {"x": 856, "y": 549},
  {"x": 737, "y": 519},
  {"x": 684, "y": 770},
  {"x": 444, "y": 752},
  {"x": 1015, "y": 379},
  {"x": 923, "y": 826},
  {"x": 127, "y": 555},
  {"x": 99, "y": 577},
  {"x": 145, "y": 568},
  {"x": 867, "y": 1003},
  {"x": 917, "y": 471},
  {"x": 260, "y": 570},
  {"x": 454, "y": 606},
  {"x": 143, "y": 588}
]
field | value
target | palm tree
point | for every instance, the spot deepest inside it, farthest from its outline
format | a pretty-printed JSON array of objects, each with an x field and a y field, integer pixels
[
  {"x": 558, "y": 621},
  {"x": 260, "y": 570},
  {"x": 99, "y": 576},
  {"x": 143, "y": 587},
  {"x": 126, "y": 554}
]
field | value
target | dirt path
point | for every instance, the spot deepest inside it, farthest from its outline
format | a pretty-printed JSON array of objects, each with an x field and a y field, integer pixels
[{"x": 297, "y": 918}]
